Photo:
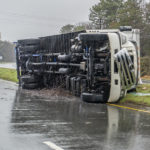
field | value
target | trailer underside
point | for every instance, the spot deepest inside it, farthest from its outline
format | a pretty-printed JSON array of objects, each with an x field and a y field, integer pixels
[{"x": 79, "y": 62}]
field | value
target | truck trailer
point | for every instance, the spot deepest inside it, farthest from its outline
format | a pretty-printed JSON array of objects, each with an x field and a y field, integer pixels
[{"x": 99, "y": 66}]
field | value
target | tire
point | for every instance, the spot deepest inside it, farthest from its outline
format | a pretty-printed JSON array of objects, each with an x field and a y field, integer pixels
[
  {"x": 29, "y": 42},
  {"x": 30, "y": 86},
  {"x": 30, "y": 48},
  {"x": 29, "y": 79},
  {"x": 92, "y": 98}
]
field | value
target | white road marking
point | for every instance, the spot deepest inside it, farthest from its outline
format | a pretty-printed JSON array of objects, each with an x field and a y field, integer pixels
[{"x": 53, "y": 146}]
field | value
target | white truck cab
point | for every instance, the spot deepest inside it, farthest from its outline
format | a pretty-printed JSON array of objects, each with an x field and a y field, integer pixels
[{"x": 125, "y": 60}]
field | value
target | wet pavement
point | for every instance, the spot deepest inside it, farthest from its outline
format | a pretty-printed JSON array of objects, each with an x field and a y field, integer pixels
[
  {"x": 27, "y": 121},
  {"x": 8, "y": 65}
]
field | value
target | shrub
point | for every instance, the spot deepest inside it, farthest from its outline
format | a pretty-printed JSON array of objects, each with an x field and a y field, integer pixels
[{"x": 145, "y": 66}]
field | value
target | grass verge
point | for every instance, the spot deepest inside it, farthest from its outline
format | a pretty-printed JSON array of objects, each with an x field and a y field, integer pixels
[
  {"x": 8, "y": 74},
  {"x": 140, "y": 100},
  {"x": 136, "y": 99},
  {"x": 143, "y": 88}
]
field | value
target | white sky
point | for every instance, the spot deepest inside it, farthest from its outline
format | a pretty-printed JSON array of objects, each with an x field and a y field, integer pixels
[{"x": 35, "y": 18}]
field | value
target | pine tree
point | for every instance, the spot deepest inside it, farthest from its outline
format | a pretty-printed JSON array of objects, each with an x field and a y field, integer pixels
[{"x": 104, "y": 14}]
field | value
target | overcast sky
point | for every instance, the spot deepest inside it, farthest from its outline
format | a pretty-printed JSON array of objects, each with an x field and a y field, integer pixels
[{"x": 35, "y": 18}]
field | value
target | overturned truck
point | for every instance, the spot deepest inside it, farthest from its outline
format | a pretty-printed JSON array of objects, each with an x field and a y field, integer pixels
[{"x": 98, "y": 65}]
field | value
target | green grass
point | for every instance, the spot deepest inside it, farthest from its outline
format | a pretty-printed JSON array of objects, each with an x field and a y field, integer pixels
[
  {"x": 143, "y": 88},
  {"x": 8, "y": 74},
  {"x": 142, "y": 100}
]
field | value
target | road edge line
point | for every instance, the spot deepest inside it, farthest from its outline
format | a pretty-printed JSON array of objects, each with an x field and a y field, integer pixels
[{"x": 130, "y": 108}]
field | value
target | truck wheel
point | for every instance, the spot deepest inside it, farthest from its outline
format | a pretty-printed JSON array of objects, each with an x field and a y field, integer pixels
[
  {"x": 29, "y": 42},
  {"x": 92, "y": 98},
  {"x": 30, "y": 86},
  {"x": 29, "y": 48},
  {"x": 29, "y": 79}
]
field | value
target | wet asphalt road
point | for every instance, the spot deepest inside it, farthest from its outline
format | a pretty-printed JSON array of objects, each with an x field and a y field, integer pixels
[
  {"x": 27, "y": 121},
  {"x": 8, "y": 65}
]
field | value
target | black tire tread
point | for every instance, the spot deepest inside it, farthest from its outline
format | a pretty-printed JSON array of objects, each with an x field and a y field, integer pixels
[
  {"x": 92, "y": 98},
  {"x": 29, "y": 79},
  {"x": 30, "y": 86}
]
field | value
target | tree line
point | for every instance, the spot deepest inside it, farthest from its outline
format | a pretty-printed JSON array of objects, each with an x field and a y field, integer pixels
[
  {"x": 110, "y": 14},
  {"x": 7, "y": 51}
]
